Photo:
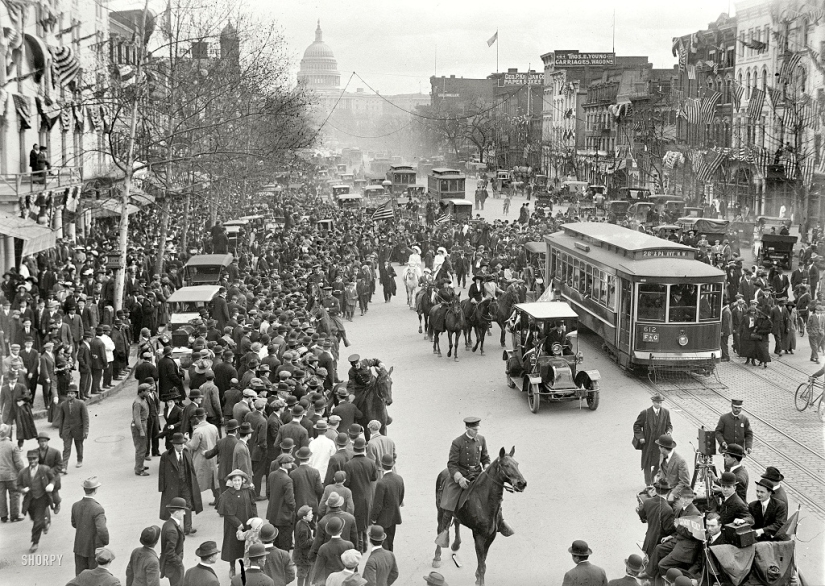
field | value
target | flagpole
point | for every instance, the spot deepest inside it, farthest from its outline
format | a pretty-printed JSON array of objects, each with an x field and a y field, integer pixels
[{"x": 497, "y": 42}]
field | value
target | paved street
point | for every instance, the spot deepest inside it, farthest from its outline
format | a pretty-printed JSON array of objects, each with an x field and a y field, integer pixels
[{"x": 581, "y": 471}]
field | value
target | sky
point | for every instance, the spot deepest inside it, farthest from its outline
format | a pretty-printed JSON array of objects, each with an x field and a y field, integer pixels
[{"x": 396, "y": 46}]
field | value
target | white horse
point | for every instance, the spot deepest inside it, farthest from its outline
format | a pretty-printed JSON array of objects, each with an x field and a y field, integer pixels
[{"x": 410, "y": 276}]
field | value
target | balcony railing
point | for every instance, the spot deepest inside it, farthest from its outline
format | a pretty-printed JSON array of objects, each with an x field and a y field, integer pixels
[{"x": 21, "y": 184}]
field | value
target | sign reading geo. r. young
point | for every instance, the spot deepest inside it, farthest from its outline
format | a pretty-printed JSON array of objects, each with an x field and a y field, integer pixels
[{"x": 574, "y": 58}]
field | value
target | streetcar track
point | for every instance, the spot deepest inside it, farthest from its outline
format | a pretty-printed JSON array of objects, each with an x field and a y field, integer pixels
[{"x": 794, "y": 463}]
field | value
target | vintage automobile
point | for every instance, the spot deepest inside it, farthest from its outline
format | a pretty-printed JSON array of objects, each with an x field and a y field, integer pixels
[
  {"x": 206, "y": 269},
  {"x": 775, "y": 247},
  {"x": 616, "y": 210},
  {"x": 187, "y": 303},
  {"x": 544, "y": 361}
]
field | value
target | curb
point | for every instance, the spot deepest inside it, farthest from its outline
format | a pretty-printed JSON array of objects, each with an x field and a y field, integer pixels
[{"x": 42, "y": 413}]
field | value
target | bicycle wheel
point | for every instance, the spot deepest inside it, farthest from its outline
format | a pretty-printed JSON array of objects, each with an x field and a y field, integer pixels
[
  {"x": 820, "y": 408},
  {"x": 802, "y": 397}
]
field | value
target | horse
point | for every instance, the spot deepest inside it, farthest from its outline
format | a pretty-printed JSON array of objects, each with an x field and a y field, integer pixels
[
  {"x": 331, "y": 326},
  {"x": 481, "y": 510},
  {"x": 373, "y": 401},
  {"x": 423, "y": 305},
  {"x": 447, "y": 318},
  {"x": 411, "y": 284},
  {"x": 504, "y": 311},
  {"x": 478, "y": 317}
]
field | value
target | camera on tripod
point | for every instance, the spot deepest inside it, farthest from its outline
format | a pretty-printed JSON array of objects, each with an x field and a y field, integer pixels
[{"x": 707, "y": 442}]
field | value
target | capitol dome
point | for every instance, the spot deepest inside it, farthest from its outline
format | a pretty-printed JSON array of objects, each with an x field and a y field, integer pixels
[{"x": 319, "y": 69}]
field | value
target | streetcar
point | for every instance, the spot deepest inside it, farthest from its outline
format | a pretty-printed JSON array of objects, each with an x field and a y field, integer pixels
[
  {"x": 650, "y": 300},
  {"x": 400, "y": 177},
  {"x": 443, "y": 183}
]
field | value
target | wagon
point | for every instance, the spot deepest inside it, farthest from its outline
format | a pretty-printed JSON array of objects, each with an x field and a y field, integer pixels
[{"x": 544, "y": 359}]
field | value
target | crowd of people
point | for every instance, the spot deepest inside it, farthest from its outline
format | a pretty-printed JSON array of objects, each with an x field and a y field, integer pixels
[{"x": 254, "y": 410}]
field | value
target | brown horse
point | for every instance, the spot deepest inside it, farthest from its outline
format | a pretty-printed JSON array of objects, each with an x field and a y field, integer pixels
[
  {"x": 374, "y": 400},
  {"x": 423, "y": 305},
  {"x": 504, "y": 311},
  {"x": 481, "y": 511},
  {"x": 478, "y": 318},
  {"x": 447, "y": 318}
]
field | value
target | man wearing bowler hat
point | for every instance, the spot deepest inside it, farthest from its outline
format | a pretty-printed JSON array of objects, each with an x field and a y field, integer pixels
[
  {"x": 776, "y": 477},
  {"x": 468, "y": 457},
  {"x": 633, "y": 565},
  {"x": 361, "y": 474},
  {"x": 651, "y": 424},
  {"x": 144, "y": 567},
  {"x": 172, "y": 537},
  {"x": 254, "y": 573},
  {"x": 732, "y": 508},
  {"x": 585, "y": 573},
  {"x": 203, "y": 574},
  {"x": 177, "y": 479},
  {"x": 680, "y": 549},
  {"x": 769, "y": 514},
  {"x": 388, "y": 500},
  {"x": 672, "y": 467},
  {"x": 734, "y": 428},
  {"x": 306, "y": 481},
  {"x": 658, "y": 515},
  {"x": 279, "y": 565},
  {"x": 89, "y": 521},
  {"x": 381, "y": 568},
  {"x": 733, "y": 455}
]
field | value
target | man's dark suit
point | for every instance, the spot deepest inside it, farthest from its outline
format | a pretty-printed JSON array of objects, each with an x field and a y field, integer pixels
[
  {"x": 279, "y": 566},
  {"x": 170, "y": 383},
  {"x": 296, "y": 432},
  {"x": 329, "y": 559},
  {"x": 143, "y": 568},
  {"x": 171, "y": 552},
  {"x": 771, "y": 520},
  {"x": 257, "y": 448},
  {"x": 306, "y": 482},
  {"x": 220, "y": 312},
  {"x": 99, "y": 363},
  {"x": 734, "y": 430},
  {"x": 201, "y": 575},
  {"x": 223, "y": 449},
  {"x": 84, "y": 366},
  {"x": 336, "y": 463},
  {"x": 733, "y": 508},
  {"x": 281, "y": 508},
  {"x": 254, "y": 577},
  {"x": 349, "y": 531},
  {"x": 89, "y": 521},
  {"x": 94, "y": 577},
  {"x": 585, "y": 574},
  {"x": 381, "y": 568},
  {"x": 625, "y": 581},
  {"x": 658, "y": 515},
  {"x": 742, "y": 481},
  {"x": 679, "y": 552},
  {"x": 386, "y": 505}
]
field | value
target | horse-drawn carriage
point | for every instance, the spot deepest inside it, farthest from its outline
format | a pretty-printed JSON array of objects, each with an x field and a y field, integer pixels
[{"x": 544, "y": 358}]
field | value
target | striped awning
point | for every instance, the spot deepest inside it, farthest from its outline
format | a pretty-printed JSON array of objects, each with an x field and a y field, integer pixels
[
  {"x": 36, "y": 238},
  {"x": 109, "y": 207}
]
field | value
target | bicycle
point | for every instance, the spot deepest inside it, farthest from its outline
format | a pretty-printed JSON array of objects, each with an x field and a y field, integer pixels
[{"x": 805, "y": 397}]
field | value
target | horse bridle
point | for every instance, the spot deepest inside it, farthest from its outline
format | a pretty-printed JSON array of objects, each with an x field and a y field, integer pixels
[{"x": 505, "y": 484}]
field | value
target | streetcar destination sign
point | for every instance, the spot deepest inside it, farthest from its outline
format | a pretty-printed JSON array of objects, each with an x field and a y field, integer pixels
[{"x": 667, "y": 253}]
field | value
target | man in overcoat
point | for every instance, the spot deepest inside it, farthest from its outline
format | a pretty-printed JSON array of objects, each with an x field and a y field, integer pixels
[
  {"x": 172, "y": 537},
  {"x": 361, "y": 474},
  {"x": 143, "y": 568},
  {"x": 389, "y": 497},
  {"x": 169, "y": 380},
  {"x": 203, "y": 574},
  {"x": 36, "y": 483},
  {"x": 658, "y": 515},
  {"x": 281, "y": 509},
  {"x": 89, "y": 521},
  {"x": 678, "y": 550},
  {"x": 734, "y": 428},
  {"x": 651, "y": 423},
  {"x": 72, "y": 420},
  {"x": 306, "y": 481},
  {"x": 177, "y": 479}
]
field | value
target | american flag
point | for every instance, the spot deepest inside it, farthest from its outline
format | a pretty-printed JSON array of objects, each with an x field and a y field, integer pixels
[
  {"x": 775, "y": 95},
  {"x": 383, "y": 212},
  {"x": 692, "y": 111},
  {"x": 444, "y": 218},
  {"x": 738, "y": 92},
  {"x": 755, "y": 103},
  {"x": 789, "y": 65},
  {"x": 709, "y": 105},
  {"x": 710, "y": 168},
  {"x": 691, "y": 72}
]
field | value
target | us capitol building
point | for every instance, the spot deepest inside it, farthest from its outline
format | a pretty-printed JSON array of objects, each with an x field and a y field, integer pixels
[{"x": 360, "y": 116}]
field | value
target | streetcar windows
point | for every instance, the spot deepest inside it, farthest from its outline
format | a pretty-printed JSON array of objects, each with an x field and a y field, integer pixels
[
  {"x": 682, "y": 303},
  {"x": 652, "y": 302},
  {"x": 585, "y": 278},
  {"x": 710, "y": 302}
]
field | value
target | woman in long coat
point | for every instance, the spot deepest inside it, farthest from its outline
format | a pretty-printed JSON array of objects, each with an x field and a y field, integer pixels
[
  {"x": 23, "y": 417},
  {"x": 747, "y": 346},
  {"x": 789, "y": 319},
  {"x": 764, "y": 326},
  {"x": 237, "y": 506}
]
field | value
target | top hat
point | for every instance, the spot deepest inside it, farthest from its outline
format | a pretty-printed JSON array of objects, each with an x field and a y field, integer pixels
[{"x": 579, "y": 547}]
